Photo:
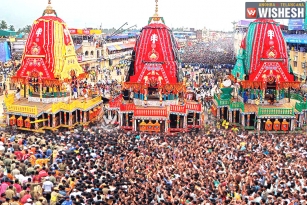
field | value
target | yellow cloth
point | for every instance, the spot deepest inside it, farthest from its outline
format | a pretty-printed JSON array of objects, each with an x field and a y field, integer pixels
[
  {"x": 32, "y": 160},
  {"x": 41, "y": 162}
]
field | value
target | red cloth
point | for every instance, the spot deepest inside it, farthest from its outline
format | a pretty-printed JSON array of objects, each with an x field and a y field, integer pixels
[
  {"x": 42, "y": 173},
  {"x": 18, "y": 188},
  {"x": 19, "y": 155},
  {"x": 37, "y": 179},
  {"x": 25, "y": 198}
]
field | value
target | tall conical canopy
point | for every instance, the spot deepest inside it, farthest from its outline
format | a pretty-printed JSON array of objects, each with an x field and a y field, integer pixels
[
  {"x": 263, "y": 55},
  {"x": 49, "y": 50},
  {"x": 156, "y": 57}
]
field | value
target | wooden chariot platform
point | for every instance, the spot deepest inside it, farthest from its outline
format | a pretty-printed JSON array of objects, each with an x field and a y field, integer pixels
[{"x": 39, "y": 116}]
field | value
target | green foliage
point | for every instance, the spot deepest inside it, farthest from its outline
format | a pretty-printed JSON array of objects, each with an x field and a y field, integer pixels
[{"x": 3, "y": 25}]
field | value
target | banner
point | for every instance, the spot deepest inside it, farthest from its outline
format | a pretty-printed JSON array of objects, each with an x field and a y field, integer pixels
[
  {"x": 74, "y": 31},
  {"x": 296, "y": 24}
]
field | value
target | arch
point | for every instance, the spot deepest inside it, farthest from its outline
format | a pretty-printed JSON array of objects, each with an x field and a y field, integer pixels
[
  {"x": 98, "y": 53},
  {"x": 86, "y": 53},
  {"x": 92, "y": 53}
]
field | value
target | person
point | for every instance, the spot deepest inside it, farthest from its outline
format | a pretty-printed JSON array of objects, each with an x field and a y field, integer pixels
[
  {"x": 55, "y": 196},
  {"x": 29, "y": 202},
  {"x": 85, "y": 94},
  {"x": 17, "y": 95},
  {"x": 67, "y": 201},
  {"x": 47, "y": 186},
  {"x": 75, "y": 91}
]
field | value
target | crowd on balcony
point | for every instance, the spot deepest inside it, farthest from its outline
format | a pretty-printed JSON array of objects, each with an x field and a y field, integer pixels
[{"x": 210, "y": 53}]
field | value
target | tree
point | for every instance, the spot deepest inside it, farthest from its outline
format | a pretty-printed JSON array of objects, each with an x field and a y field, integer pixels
[
  {"x": 3, "y": 24},
  {"x": 19, "y": 31},
  {"x": 27, "y": 29},
  {"x": 12, "y": 28}
]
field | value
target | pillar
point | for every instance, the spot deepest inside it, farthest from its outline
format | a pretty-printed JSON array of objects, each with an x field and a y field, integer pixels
[
  {"x": 85, "y": 117},
  {"x": 243, "y": 120},
  {"x": 185, "y": 121},
  {"x": 145, "y": 96},
  {"x": 178, "y": 120},
  {"x": 292, "y": 128},
  {"x": 65, "y": 118},
  {"x": 248, "y": 120},
  {"x": 44, "y": 122},
  {"x": 277, "y": 95},
  {"x": 234, "y": 116},
  {"x": 194, "y": 119},
  {"x": 134, "y": 124},
  {"x": 120, "y": 118},
  {"x": 258, "y": 125},
  {"x": 218, "y": 115},
  {"x": 301, "y": 120},
  {"x": 53, "y": 120},
  {"x": 36, "y": 124},
  {"x": 27, "y": 90},
  {"x": 48, "y": 120},
  {"x": 61, "y": 118},
  {"x": 230, "y": 116},
  {"x": 166, "y": 125},
  {"x": 70, "y": 119},
  {"x": 77, "y": 116},
  {"x": 127, "y": 119},
  {"x": 81, "y": 116},
  {"x": 41, "y": 91}
]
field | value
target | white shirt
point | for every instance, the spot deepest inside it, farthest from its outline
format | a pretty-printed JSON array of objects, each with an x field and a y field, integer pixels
[{"x": 47, "y": 186}]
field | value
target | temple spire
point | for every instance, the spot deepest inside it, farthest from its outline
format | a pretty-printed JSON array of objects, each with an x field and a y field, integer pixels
[
  {"x": 49, "y": 10},
  {"x": 156, "y": 16},
  {"x": 157, "y": 8}
]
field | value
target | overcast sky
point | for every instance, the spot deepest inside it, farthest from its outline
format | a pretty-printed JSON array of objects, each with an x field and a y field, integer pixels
[{"x": 212, "y": 14}]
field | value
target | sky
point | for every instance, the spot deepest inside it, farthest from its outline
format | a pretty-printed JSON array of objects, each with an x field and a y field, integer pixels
[{"x": 213, "y": 14}]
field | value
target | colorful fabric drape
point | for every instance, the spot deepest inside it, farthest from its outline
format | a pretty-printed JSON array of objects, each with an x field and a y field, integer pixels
[{"x": 49, "y": 50}]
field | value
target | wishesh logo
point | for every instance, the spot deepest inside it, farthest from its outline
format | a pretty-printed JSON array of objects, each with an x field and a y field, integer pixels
[{"x": 251, "y": 13}]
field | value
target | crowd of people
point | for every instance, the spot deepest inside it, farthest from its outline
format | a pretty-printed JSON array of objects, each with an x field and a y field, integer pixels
[
  {"x": 210, "y": 53},
  {"x": 92, "y": 166},
  {"x": 210, "y": 166}
]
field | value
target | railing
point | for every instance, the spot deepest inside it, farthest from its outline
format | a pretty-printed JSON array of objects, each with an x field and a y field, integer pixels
[
  {"x": 150, "y": 112},
  {"x": 294, "y": 96},
  {"x": 178, "y": 108},
  {"x": 300, "y": 106},
  {"x": 194, "y": 107},
  {"x": 297, "y": 97},
  {"x": 75, "y": 105},
  {"x": 221, "y": 102},
  {"x": 237, "y": 105},
  {"x": 275, "y": 111},
  {"x": 22, "y": 109},
  {"x": 127, "y": 107}
]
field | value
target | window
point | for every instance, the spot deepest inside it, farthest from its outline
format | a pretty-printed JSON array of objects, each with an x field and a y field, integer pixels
[
  {"x": 295, "y": 64},
  {"x": 92, "y": 53},
  {"x": 86, "y": 53}
]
